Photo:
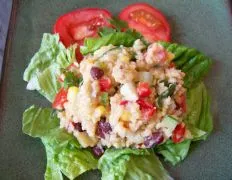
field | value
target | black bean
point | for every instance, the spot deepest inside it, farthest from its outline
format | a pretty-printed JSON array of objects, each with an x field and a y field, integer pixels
[{"x": 96, "y": 73}]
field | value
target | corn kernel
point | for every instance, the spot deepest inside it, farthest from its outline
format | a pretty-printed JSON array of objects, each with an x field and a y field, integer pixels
[
  {"x": 126, "y": 115},
  {"x": 72, "y": 93},
  {"x": 91, "y": 61},
  {"x": 100, "y": 111},
  {"x": 102, "y": 65},
  {"x": 124, "y": 58},
  {"x": 170, "y": 57},
  {"x": 85, "y": 140}
]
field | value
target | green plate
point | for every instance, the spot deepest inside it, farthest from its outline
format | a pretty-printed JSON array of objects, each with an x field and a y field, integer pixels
[{"x": 202, "y": 24}]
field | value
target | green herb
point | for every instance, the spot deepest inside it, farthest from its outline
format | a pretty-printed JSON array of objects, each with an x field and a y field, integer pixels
[
  {"x": 104, "y": 99},
  {"x": 105, "y": 31},
  {"x": 165, "y": 81},
  {"x": 118, "y": 24},
  {"x": 165, "y": 94},
  {"x": 71, "y": 79}
]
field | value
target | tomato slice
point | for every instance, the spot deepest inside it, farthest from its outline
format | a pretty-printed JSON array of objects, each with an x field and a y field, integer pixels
[
  {"x": 143, "y": 89},
  {"x": 74, "y": 26},
  {"x": 147, "y": 20},
  {"x": 60, "y": 99},
  {"x": 178, "y": 133}
]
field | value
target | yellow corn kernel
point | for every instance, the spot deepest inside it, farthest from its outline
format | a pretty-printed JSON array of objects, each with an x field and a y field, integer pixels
[
  {"x": 102, "y": 65},
  {"x": 91, "y": 61},
  {"x": 170, "y": 56},
  {"x": 72, "y": 93},
  {"x": 126, "y": 116},
  {"x": 100, "y": 111},
  {"x": 124, "y": 58},
  {"x": 85, "y": 140}
]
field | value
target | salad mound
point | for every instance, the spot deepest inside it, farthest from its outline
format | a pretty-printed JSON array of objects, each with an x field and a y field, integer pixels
[
  {"x": 120, "y": 95},
  {"x": 128, "y": 97}
]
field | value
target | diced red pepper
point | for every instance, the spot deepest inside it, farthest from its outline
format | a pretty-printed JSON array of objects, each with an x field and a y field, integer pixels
[
  {"x": 147, "y": 109},
  {"x": 181, "y": 101},
  {"x": 60, "y": 99},
  {"x": 143, "y": 89},
  {"x": 171, "y": 65},
  {"x": 123, "y": 102},
  {"x": 178, "y": 133},
  {"x": 105, "y": 84}
]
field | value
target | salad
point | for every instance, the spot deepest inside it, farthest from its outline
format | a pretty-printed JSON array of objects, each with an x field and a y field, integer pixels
[{"x": 121, "y": 93}]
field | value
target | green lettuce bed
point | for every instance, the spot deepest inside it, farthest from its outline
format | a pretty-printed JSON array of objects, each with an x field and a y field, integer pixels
[{"x": 64, "y": 153}]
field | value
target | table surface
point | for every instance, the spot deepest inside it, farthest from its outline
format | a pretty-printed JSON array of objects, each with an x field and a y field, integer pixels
[{"x": 5, "y": 9}]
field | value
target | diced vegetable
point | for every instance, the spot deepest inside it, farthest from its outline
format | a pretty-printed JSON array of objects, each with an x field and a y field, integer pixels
[
  {"x": 168, "y": 124},
  {"x": 104, "y": 99},
  {"x": 98, "y": 151},
  {"x": 165, "y": 94},
  {"x": 85, "y": 140},
  {"x": 72, "y": 93},
  {"x": 100, "y": 111},
  {"x": 126, "y": 115},
  {"x": 147, "y": 109},
  {"x": 143, "y": 89},
  {"x": 60, "y": 99},
  {"x": 103, "y": 127},
  {"x": 145, "y": 77},
  {"x": 70, "y": 79},
  {"x": 128, "y": 90},
  {"x": 105, "y": 84},
  {"x": 154, "y": 139},
  {"x": 178, "y": 133}
]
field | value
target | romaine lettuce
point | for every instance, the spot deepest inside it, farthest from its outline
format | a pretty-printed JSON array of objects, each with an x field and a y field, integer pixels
[
  {"x": 198, "y": 121},
  {"x": 127, "y": 164},
  {"x": 117, "y": 38},
  {"x": 190, "y": 61},
  {"x": 64, "y": 153},
  {"x": 45, "y": 66}
]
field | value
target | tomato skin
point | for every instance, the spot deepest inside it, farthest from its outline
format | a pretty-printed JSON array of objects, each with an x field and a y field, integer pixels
[
  {"x": 147, "y": 109},
  {"x": 172, "y": 65},
  {"x": 181, "y": 101},
  {"x": 159, "y": 30},
  {"x": 178, "y": 133},
  {"x": 60, "y": 99},
  {"x": 143, "y": 89},
  {"x": 105, "y": 83},
  {"x": 123, "y": 102},
  {"x": 74, "y": 26}
]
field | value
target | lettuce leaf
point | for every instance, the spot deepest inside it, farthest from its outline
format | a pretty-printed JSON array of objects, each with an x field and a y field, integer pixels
[
  {"x": 52, "y": 172},
  {"x": 174, "y": 153},
  {"x": 127, "y": 164},
  {"x": 41, "y": 73},
  {"x": 199, "y": 118},
  {"x": 126, "y": 39},
  {"x": 189, "y": 60},
  {"x": 64, "y": 154},
  {"x": 198, "y": 121}
]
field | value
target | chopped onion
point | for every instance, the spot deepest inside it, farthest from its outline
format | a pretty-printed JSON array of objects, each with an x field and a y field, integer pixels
[{"x": 145, "y": 77}]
